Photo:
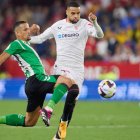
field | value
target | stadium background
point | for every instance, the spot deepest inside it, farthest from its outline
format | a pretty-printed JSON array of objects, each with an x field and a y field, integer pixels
[{"x": 116, "y": 57}]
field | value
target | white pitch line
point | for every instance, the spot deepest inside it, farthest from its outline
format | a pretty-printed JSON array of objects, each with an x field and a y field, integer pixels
[{"x": 76, "y": 127}]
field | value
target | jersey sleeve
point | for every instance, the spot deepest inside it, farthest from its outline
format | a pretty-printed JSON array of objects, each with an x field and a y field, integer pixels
[
  {"x": 90, "y": 29},
  {"x": 47, "y": 34},
  {"x": 13, "y": 48},
  {"x": 93, "y": 29}
]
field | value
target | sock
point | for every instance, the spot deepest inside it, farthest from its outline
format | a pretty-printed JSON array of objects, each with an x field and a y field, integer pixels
[
  {"x": 2, "y": 119},
  {"x": 58, "y": 93},
  {"x": 13, "y": 120},
  {"x": 50, "y": 106},
  {"x": 70, "y": 103},
  {"x": 71, "y": 113}
]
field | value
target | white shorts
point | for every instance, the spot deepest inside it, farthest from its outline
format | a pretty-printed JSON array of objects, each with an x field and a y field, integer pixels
[{"x": 71, "y": 73}]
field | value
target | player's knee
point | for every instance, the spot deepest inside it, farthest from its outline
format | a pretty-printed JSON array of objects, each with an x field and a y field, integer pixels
[
  {"x": 68, "y": 82},
  {"x": 74, "y": 90},
  {"x": 72, "y": 94},
  {"x": 29, "y": 123},
  {"x": 65, "y": 80}
]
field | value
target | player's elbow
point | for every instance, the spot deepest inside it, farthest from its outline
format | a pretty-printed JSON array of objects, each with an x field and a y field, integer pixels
[
  {"x": 35, "y": 42},
  {"x": 100, "y": 35}
]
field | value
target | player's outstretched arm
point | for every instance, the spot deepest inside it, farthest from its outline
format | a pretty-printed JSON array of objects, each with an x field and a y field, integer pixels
[
  {"x": 3, "y": 57},
  {"x": 93, "y": 19},
  {"x": 38, "y": 39}
]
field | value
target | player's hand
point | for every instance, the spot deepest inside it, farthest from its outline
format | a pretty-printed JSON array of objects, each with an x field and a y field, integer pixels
[
  {"x": 92, "y": 18},
  {"x": 35, "y": 29}
]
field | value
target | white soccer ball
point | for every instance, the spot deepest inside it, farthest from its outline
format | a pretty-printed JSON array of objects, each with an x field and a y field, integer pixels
[{"x": 107, "y": 88}]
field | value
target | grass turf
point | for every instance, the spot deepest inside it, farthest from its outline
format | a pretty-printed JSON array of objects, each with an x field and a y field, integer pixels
[{"x": 91, "y": 121}]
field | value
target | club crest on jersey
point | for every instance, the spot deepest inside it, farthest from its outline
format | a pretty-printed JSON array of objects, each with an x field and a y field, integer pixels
[
  {"x": 76, "y": 27},
  {"x": 90, "y": 24},
  {"x": 68, "y": 36}
]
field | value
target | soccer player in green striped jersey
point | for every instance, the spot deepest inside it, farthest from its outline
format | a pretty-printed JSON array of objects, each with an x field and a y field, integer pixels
[{"x": 37, "y": 82}]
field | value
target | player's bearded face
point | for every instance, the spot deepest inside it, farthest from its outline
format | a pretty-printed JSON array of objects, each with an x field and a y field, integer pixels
[{"x": 73, "y": 14}]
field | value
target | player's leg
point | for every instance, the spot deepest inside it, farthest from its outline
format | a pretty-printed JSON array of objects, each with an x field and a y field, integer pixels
[
  {"x": 32, "y": 117},
  {"x": 61, "y": 87},
  {"x": 76, "y": 90},
  {"x": 58, "y": 87},
  {"x": 70, "y": 102},
  {"x": 36, "y": 97},
  {"x": 73, "y": 91},
  {"x": 67, "y": 111},
  {"x": 13, "y": 119}
]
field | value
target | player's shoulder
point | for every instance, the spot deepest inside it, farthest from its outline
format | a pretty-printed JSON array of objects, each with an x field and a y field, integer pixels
[
  {"x": 85, "y": 21},
  {"x": 15, "y": 43},
  {"x": 59, "y": 23}
]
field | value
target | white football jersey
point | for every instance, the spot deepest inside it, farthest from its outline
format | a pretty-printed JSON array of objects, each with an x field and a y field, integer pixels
[{"x": 70, "y": 42}]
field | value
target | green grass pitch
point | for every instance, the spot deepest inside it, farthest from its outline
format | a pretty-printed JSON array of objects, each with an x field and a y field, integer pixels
[{"x": 91, "y": 121}]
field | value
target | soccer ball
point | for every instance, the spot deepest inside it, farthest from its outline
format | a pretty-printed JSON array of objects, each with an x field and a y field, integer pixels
[{"x": 107, "y": 88}]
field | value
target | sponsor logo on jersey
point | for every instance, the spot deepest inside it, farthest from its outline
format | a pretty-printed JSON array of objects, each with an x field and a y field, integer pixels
[
  {"x": 59, "y": 28},
  {"x": 72, "y": 35}
]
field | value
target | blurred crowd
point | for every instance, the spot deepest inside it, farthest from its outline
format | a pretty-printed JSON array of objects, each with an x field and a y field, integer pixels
[{"x": 119, "y": 19}]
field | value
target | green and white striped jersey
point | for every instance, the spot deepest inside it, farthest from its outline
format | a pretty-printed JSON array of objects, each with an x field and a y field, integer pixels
[{"x": 27, "y": 58}]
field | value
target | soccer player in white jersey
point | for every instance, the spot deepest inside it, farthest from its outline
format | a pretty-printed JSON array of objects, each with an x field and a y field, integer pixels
[{"x": 71, "y": 35}]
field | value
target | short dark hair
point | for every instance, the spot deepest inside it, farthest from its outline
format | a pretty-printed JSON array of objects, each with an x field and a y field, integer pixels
[
  {"x": 73, "y": 4},
  {"x": 17, "y": 23}
]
